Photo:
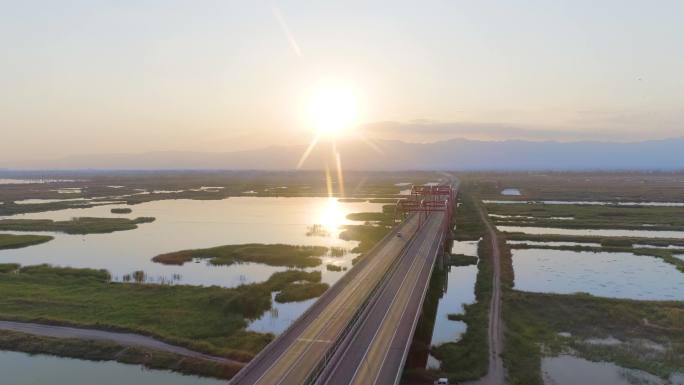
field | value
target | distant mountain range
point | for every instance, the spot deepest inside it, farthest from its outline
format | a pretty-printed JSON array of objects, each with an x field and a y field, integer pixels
[{"x": 455, "y": 154}]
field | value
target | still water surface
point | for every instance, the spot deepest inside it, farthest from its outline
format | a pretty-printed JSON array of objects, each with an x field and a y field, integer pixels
[
  {"x": 570, "y": 370},
  {"x": 553, "y": 244},
  {"x": 280, "y": 317},
  {"x": 459, "y": 291},
  {"x": 510, "y": 191},
  {"x": 188, "y": 224},
  {"x": 589, "y": 232},
  {"x": 465, "y": 248},
  {"x": 618, "y": 275}
]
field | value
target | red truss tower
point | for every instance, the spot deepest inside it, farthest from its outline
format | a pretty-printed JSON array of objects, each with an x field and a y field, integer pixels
[{"x": 426, "y": 199}]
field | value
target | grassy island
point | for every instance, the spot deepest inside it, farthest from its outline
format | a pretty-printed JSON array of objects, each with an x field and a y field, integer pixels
[
  {"x": 366, "y": 235},
  {"x": 83, "y": 225},
  {"x": 12, "y": 241},
  {"x": 272, "y": 255},
  {"x": 576, "y": 216},
  {"x": 366, "y": 216},
  {"x": 121, "y": 210}
]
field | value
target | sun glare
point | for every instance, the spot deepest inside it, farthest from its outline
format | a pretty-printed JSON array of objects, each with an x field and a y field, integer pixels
[
  {"x": 331, "y": 216},
  {"x": 333, "y": 110}
]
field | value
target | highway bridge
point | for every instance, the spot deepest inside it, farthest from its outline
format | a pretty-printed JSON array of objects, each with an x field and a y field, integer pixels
[{"x": 359, "y": 331}]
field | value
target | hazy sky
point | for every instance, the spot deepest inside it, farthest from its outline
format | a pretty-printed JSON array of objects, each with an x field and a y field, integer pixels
[{"x": 132, "y": 76}]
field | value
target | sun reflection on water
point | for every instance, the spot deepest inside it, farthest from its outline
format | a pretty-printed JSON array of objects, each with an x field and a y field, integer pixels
[{"x": 331, "y": 216}]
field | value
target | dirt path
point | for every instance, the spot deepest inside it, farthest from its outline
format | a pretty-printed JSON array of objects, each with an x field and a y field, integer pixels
[
  {"x": 124, "y": 339},
  {"x": 496, "y": 374}
]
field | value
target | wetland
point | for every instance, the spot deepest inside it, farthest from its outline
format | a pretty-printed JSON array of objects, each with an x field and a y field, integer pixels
[{"x": 240, "y": 268}]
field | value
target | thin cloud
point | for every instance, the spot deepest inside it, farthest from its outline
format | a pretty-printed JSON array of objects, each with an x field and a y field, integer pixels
[{"x": 428, "y": 131}]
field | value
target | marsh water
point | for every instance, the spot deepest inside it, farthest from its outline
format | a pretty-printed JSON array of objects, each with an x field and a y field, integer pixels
[
  {"x": 190, "y": 224},
  {"x": 181, "y": 224},
  {"x": 23, "y": 369},
  {"x": 553, "y": 243},
  {"x": 510, "y": 191},
  {"x": 458, "y": 290},
  {"x": 617, "y": 275},
  {"x": 280, "y": 316},
  {"x": 589, "y": 232},
  {"x": 570, "y": 370}
]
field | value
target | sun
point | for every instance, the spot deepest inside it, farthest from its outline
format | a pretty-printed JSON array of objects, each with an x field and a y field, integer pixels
[
  {"x": 331, "y": 216},
  {"x": 333, "y": 110}
]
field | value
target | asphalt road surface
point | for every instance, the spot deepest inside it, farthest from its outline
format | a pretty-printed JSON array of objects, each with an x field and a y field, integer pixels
[
  {"x": 377, "y": 351},
  {"x": 292, "y": 357}
]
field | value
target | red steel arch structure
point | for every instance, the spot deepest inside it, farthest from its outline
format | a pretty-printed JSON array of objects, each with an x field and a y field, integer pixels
[{"x": 426, "y": 199}]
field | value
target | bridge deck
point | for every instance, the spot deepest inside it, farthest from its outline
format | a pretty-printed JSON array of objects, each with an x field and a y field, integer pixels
[
  {"x": 376, "y": 352},
  {"x": 292, "y": 357}
]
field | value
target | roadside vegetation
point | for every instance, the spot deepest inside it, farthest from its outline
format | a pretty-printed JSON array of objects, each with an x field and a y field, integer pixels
[
  {"x": 462, "y": 260},
  {"x": 207, "y": 319},
  {"x": 272, "y": 255},
  {"x": 82, "y": 225},
  {"x": 12, "y": 241}
]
